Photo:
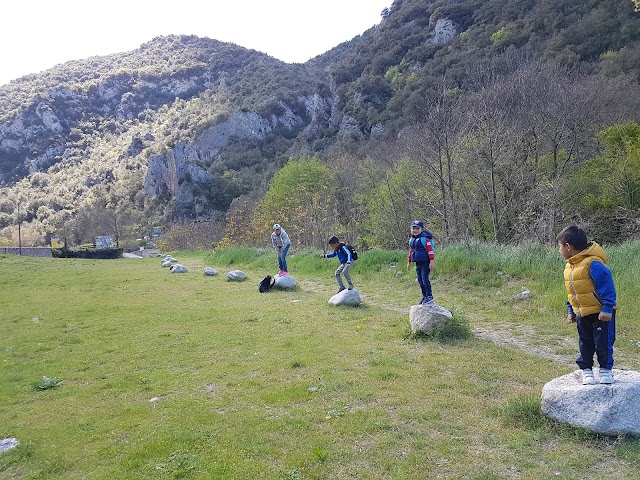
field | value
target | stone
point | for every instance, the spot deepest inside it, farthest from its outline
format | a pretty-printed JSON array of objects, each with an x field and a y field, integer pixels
[
  {"x": 169, "y": 259},
  {"x": 166, "y": 263},
  {"x": 526, "y": 293},
  {"x": 284, "y": 282},
  {"x": 236, "y": 276},
  {"x": 424, "y": 318},
  {"x": 346, "y": 297},
  {"x": 7, "y": 444},
  {"x": 443, "y": 32},
  {"x": 210, "y": 272},
  {"x": 605, "y": 409},
  {"x": 178, "y": 268}
]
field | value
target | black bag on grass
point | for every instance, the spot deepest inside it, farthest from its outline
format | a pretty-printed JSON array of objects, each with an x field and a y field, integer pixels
[{"x": 266, "y": 284}]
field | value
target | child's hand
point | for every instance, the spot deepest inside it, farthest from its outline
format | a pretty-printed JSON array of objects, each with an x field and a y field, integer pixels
[
  {"x": 408, "y": 266},
  {"x": 322, "y": 255},
  {"x": 432, "y": 265},
  {"x": 571, "y": 318},
  {"x": 605, "y": 317}
]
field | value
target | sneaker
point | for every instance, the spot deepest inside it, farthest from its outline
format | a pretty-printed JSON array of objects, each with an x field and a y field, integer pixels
[
  {"x": 340, "y": 289},
  {"x": 606, "y": 376},
  {"x": 587, "y": 377},
  {"x": 428, "y": 300},
  {"x": 350, "y": 287},
  {"x": 283, "y": 273}
]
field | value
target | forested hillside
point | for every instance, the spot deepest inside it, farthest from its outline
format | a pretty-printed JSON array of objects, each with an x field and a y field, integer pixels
[{"x": 491, "y": 119}]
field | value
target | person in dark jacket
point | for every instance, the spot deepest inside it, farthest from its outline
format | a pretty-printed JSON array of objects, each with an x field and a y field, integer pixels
[
  {"x": 346, "y": 261},
  {"x": 421, "y": 252}
]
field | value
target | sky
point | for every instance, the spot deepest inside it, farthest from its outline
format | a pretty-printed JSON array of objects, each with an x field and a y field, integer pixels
[{"x": 38, "y": 34}]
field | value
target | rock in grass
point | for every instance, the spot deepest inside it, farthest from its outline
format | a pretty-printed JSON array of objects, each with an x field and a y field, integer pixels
[
  {"x": 350, "y": 298},
  {"x": 424, "y": 318},
  {"x": 7, "y": 444},
  {"x": 605, "y": 409},
  {"x": 236, "y": 276},
  {"x": 284, "y": 282},
  {"x": 178, "y": 268},
  {"x": 526, "y": 293},
  {"x": 166, "y": 263},
  {"x": 210, "y": 272}
]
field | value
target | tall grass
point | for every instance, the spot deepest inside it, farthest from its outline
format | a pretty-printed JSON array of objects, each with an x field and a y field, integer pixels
[{"x": 474, "y": 263}]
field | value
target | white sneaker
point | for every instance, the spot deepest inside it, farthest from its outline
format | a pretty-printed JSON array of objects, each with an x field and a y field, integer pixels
[
  {"x": 606, "y": 376},
  {"x": 587, "y": 377}
]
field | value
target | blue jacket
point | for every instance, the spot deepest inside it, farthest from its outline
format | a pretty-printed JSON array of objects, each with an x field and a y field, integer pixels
[
  {"x": 343, "y": 253},
  {"x": 421, "y": 247}
]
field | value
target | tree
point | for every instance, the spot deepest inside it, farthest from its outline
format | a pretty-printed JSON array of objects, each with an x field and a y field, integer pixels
[
  {"x": 607, "y": 187},
  {"x": 301, "y": 197}
]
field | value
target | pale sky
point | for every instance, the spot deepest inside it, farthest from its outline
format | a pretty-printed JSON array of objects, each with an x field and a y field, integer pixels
[{"x": 38, "y": 34}]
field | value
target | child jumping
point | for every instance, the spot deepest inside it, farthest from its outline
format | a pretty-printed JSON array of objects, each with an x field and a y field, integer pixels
[
  {"x": 591, "y": 301},
  {"x": 421, "y": 252},
  {"x": 346, "y": 261}
]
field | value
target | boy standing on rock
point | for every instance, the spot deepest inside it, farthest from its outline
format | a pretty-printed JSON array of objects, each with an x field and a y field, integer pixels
[
  {"x": 591, "y": 301},
  {"x": 421, "y": 252}
]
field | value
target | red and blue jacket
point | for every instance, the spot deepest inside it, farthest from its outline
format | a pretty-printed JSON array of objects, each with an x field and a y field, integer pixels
[{"x": 421, "y": 247}]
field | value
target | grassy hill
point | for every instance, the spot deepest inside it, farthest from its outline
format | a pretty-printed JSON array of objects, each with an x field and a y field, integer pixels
[{"x": 186, "y": 376}]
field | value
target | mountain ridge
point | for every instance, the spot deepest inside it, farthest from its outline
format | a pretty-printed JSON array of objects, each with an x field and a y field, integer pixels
[{"x": 180, "y": 127}]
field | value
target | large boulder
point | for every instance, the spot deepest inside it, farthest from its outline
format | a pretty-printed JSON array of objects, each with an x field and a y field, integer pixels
[
  {"x": 178, "y": 268},
  {"x": 236, "y": 276},
  {"x": 346, "y": 297},
  {"x": 605, "y": 409},
  {"x": 284, "y": 282},
  {"x": 424, "y": 318},
  {"x": 210, "y": 272}
]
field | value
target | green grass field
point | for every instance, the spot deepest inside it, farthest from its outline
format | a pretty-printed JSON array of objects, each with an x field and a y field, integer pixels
[{"x": 173, "y": 376}]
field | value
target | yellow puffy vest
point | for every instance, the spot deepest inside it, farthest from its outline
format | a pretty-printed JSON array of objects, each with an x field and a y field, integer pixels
[{"x": 581, "y": 292}]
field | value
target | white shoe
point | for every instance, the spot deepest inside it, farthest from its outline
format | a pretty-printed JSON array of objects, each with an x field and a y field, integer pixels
[
  {"x": 606, "y": 376},
  {"x": 587, "y": 377}
]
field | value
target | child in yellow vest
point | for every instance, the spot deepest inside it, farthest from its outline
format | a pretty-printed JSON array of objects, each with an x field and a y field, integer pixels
[{"x": 591, "y": 301}]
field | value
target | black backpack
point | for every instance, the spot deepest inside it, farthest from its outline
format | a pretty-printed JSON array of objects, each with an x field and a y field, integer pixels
[
  {"x": 266, "y": 284},
  {"x": 352, "y": 249}
]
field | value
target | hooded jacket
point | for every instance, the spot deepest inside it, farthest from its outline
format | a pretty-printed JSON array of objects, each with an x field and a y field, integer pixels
[
  {"x": 280, "y": 241},
  {"x": 588, "y": 281},
  {"x": 421, "y": 247}
]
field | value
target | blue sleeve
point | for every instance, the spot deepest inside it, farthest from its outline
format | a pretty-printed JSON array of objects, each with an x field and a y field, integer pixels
[
  {"x": 571, "y": 312},
  {"x": 346, "y": 250},
  {"x": 603, "y": 281},
  {"x": 331, "y": 255}
]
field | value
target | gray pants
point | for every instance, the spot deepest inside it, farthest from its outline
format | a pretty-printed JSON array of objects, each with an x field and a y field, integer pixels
[{"x": 344, "y": 269}]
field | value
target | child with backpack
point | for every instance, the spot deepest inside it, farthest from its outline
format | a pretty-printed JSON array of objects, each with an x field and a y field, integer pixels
[
  {"x": 421, "y": 252},
  {"x": 346, "y": 257}
]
